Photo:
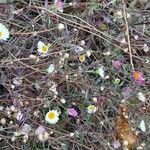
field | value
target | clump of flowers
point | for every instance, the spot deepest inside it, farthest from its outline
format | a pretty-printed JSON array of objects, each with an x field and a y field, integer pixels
[
  {"x": 92, "y": 109},
  {"x": 42, "y": 48},
  {"x": 138, "y": 77},
  {"x": 72, "y": 112},
  {"x": 4, "y": 33},
  {"x": 41, "y": 133},
  {"x": 52, "y": 116}
]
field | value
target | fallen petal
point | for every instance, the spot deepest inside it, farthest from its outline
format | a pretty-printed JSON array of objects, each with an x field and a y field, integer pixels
[
  {"x": 141, "y": 97},
  {"x": 143, "y": 126}
]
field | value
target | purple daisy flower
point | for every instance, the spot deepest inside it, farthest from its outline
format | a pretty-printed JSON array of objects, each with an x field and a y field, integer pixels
[
  {"x": 72, "y": 112},
  {"x": 117, "y": 64}
]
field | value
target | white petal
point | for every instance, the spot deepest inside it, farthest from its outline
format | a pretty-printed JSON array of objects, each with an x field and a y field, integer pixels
[
  {"x": 141, "y": 97},
  {"x": 101, "y": 71},
  {"x": 51, "y": 68},
  {"x": 40, "y": 45},
  {"x": 142, "y": 126},
  {"x": 5, "y": 32}
]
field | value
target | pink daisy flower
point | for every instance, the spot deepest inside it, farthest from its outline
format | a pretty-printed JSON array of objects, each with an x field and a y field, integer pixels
[
  {"x": 117, "y": 64},
  {"x": 138, "y": 77}
]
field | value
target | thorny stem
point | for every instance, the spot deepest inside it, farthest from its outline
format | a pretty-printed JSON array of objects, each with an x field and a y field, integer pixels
[{"x": 127, "y": 33}]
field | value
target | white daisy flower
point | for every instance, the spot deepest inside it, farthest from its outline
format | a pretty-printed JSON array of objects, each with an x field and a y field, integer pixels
[
  {"x": 4, "y": 32},
  {"x": 42, "y": 48},
  {"x": 92, "y": 109},
  {"x": 101, "y": 71},
  {"x": 51, "y": 68},
  {"x": 52, "y": 116}
]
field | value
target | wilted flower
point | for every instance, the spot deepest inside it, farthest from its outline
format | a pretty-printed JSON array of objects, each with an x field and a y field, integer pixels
[
  {"x": 126, "y": 92},
  {"x": 3, "y": 121},
  {"x": 46, "y": 136},
  {"x": 92, "y": 109},
  {"x": 101, "y": 100},
  {"x": 17, "y": 133},
  {"x": 59, "y": 5},
  {"x": 94, "y": 99},
  {"x": 25, "y": 138},
  {"x": 26, "y": 128},
  {"x": 72, "y": 112},
  {"x": 19, "y": 116},
  {"x": 4, "y": 33},
  {"x": 40, "y": 130},
  {"x": 119, "y": 14},
  {"x": 41, "y": 133},
  {"x": 123, "y": 41},
  {"x": 117, "y": 64},
  {"x": 17, "y": 81},
  {"x": 138, "y": 77},
  {"x": 66, "y": 55},
  {"x": 52, "y": 116},
  {"x": 116, "y": 144}
]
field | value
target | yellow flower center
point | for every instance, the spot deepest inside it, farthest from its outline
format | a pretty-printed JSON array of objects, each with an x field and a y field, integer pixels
[
  {"x": 1, "y": 34},
  {"x": 91, "y": 107},
  {"x": 51, "y": 115},
  {"x": 136, "y": 75},
  {"x": 82, "y": 58},
  {"x": 44, "y": 48}
]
